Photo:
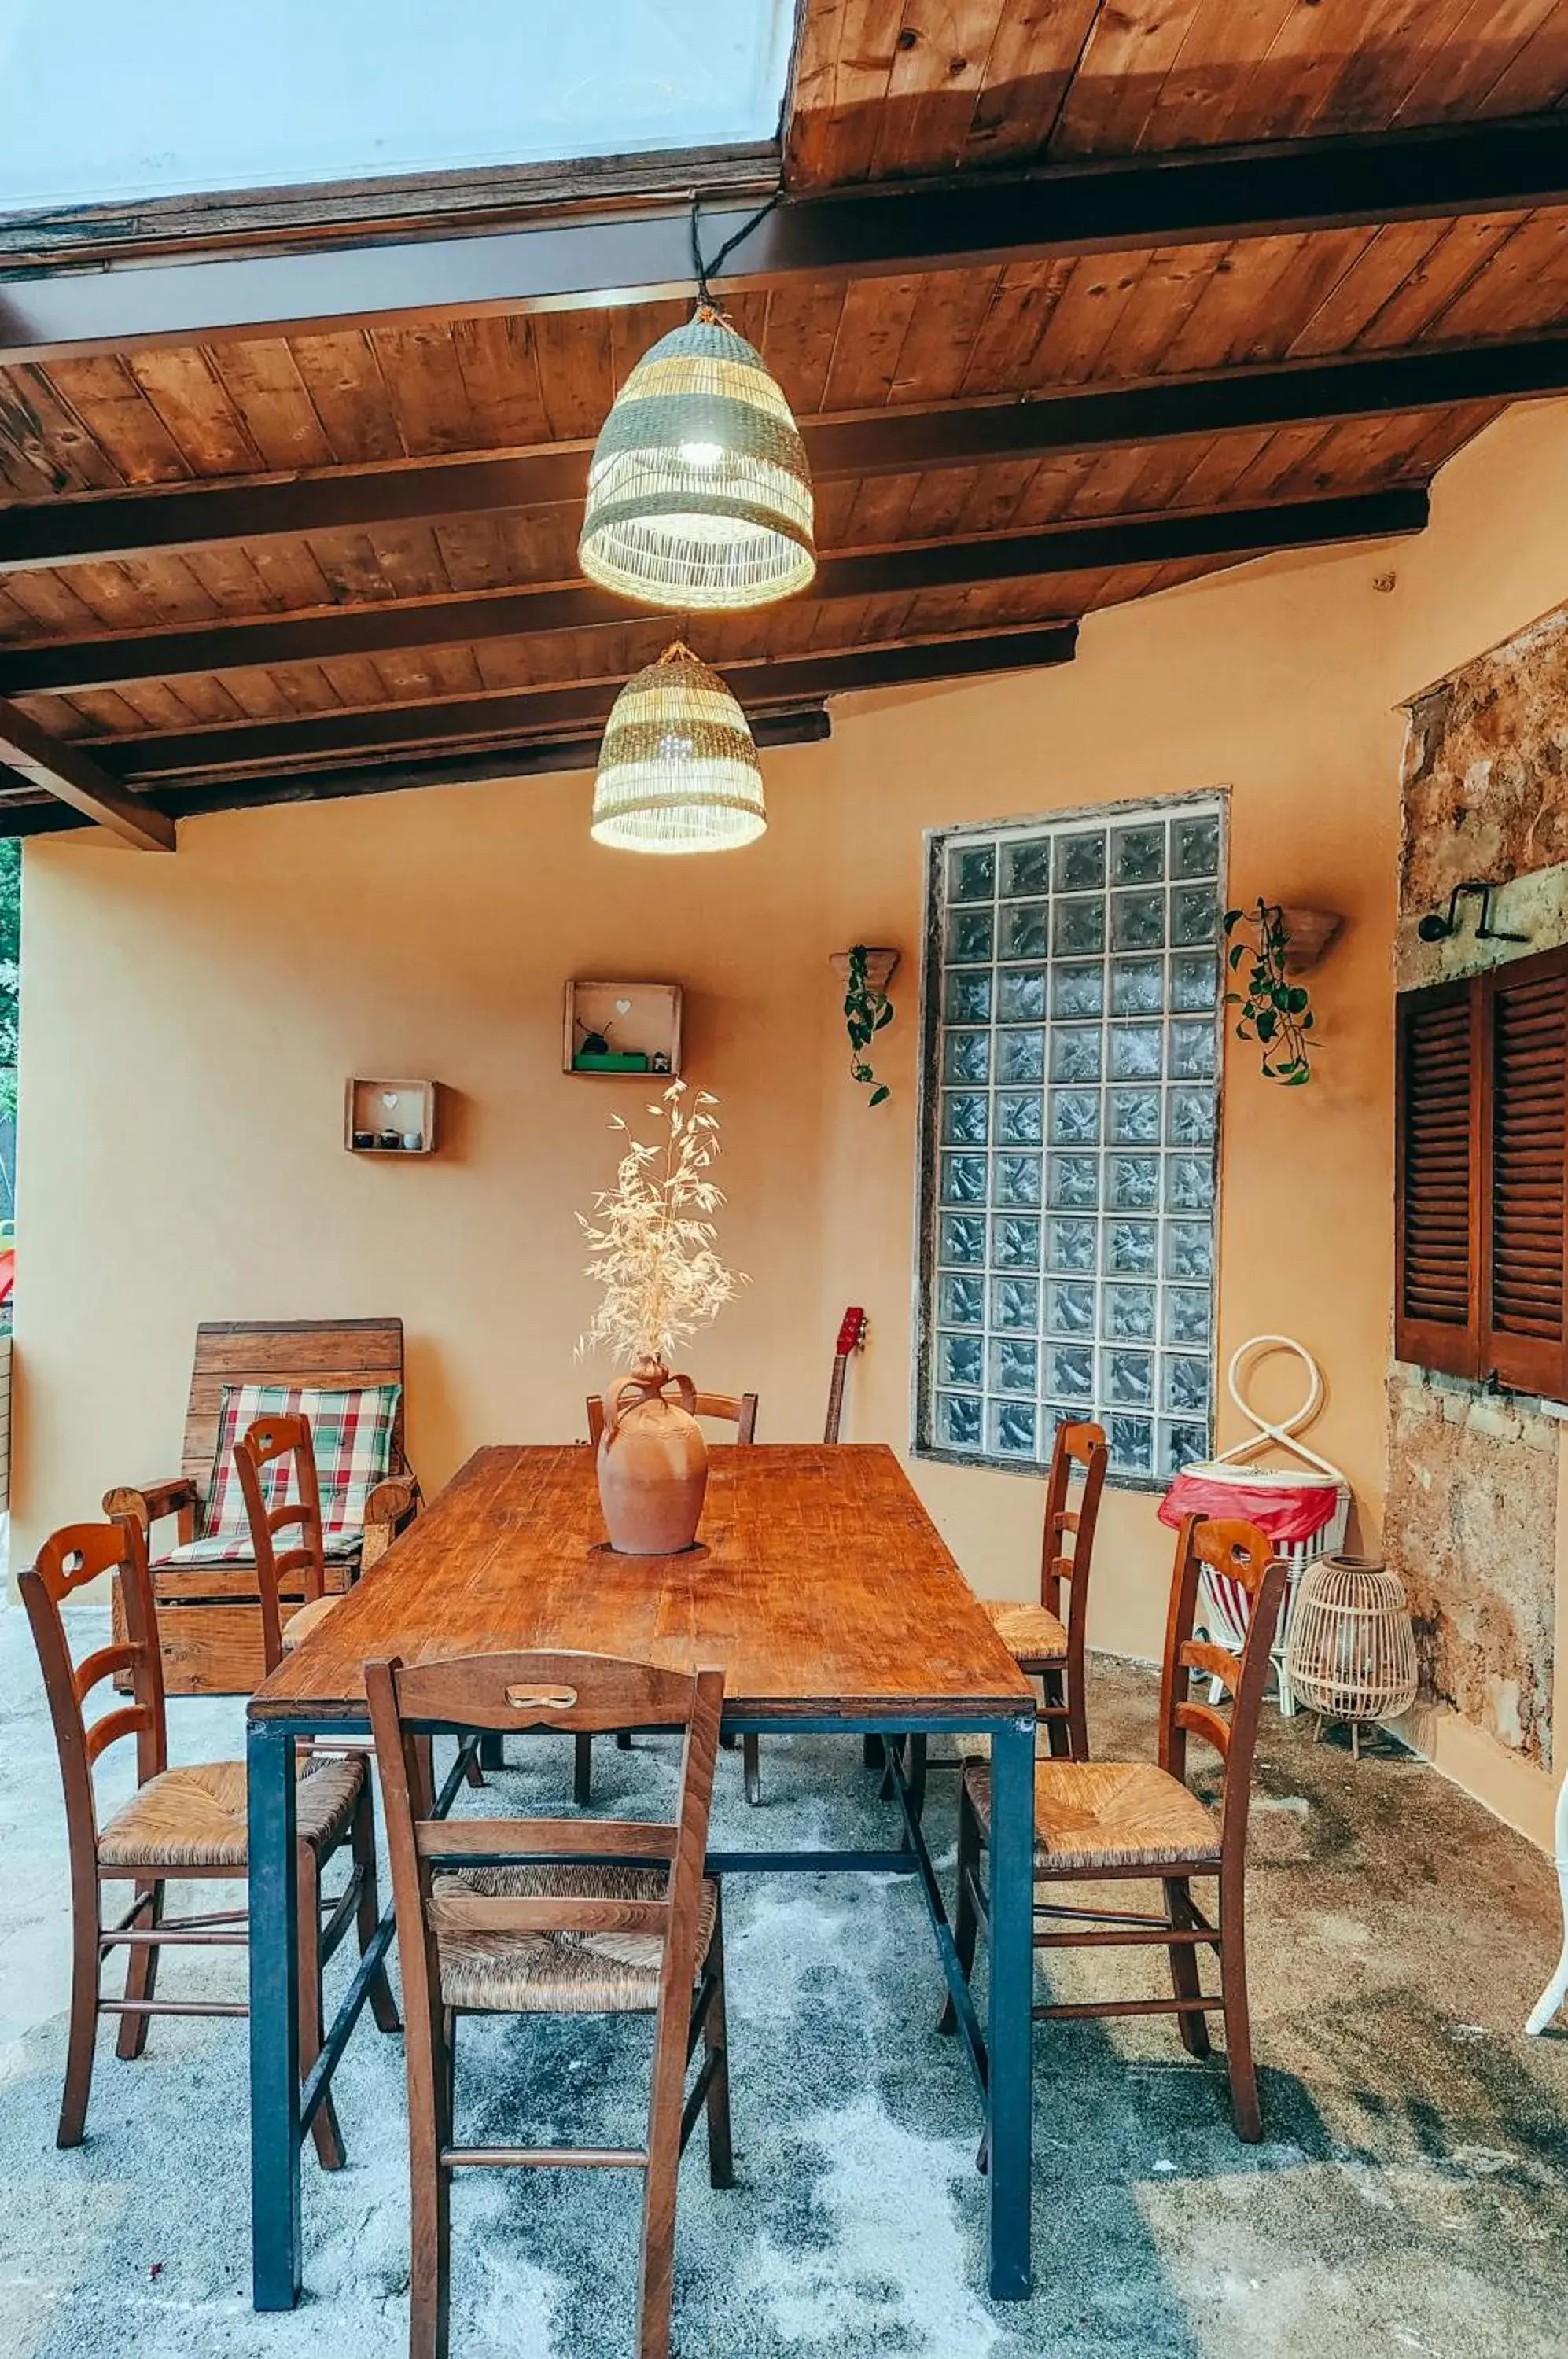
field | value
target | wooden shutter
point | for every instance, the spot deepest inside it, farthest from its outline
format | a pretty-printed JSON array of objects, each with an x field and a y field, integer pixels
[
  {"x": 1438, "y": 1276},
  {"x": 1524, "y": 1009}
]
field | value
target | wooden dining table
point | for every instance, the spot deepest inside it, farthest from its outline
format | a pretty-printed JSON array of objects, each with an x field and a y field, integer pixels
[{"x": 820, "y": 1585}]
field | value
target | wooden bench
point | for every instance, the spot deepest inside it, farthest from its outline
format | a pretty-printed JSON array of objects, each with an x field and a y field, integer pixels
[{"x": 209, "y": 1616}]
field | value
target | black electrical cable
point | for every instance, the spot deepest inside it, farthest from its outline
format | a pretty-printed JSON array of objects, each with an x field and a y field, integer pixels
[{"x": 701, "y": 270}]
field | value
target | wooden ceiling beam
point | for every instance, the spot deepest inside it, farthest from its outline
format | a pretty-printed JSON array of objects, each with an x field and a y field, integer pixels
[
  {"x": 72, "y": 777},
  {"x": 396, "y": 731},
  {"x": 524, "y": 758},
  {"x": 406, "y": 204},
  {"x": 594, "y": 260},
  {"x": 103, "y": 527},
  {"x": 63, "y": 667}
]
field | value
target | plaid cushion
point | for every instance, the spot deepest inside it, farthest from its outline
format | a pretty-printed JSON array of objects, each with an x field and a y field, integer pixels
[
  {"x": 352, "y": 1434},
  {"x": 218, "y": 1551}
]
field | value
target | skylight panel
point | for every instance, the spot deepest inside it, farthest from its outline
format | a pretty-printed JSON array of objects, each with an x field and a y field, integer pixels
[{"x": 172, "y": 98}]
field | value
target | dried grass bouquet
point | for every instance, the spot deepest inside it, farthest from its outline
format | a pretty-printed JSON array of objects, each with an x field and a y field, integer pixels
[{"x": 651, "y": 1240}]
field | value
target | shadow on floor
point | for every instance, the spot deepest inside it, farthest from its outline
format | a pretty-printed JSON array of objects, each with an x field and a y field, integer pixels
[{"x": 1412, "y": 2193}]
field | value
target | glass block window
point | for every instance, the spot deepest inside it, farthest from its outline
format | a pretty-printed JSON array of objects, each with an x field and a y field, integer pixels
[{"x": 1069, "y": 1184}]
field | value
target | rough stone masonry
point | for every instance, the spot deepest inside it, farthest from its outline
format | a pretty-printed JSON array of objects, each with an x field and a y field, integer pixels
[{"x": 1472, "y": 1513}]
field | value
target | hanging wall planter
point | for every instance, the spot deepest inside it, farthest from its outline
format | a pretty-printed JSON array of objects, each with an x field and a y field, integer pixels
[
  {"x": 868, "y": 1010},
  {"x": 1277, "y": 1012},
  {"x": 1310, "y": 935}
]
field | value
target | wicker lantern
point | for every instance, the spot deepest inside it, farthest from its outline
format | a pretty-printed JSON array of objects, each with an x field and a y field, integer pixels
[
  {"x": 700, "y": 495},
  {"x": 1351, "y": 1653},
  {"x": 678, "y": 771}
]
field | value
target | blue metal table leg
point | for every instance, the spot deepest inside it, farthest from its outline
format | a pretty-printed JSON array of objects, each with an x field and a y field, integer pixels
[
  {"x": 274, "y": 2021},
  {"x": 1012, "y": 1995}
]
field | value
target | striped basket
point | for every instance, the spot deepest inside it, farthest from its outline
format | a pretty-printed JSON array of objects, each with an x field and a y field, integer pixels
[{"x": 1223, "y": 1602}]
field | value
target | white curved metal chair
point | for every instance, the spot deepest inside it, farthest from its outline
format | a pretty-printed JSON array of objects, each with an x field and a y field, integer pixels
[{"x": 1555, "y": 1995}]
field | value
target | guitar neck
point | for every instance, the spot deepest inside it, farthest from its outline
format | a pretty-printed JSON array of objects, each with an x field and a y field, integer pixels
[{"x": 835, "y": 1397}]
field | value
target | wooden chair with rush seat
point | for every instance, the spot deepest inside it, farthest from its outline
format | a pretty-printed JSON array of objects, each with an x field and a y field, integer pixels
[
  {"x": 1045, "y": 1647},
  {"x": 182, "y": 1824},
  {"x": 1100, "y": 1820},
  {"x": 1040, "y": 1642},
  {"x": 738, "y": 1410},
  {"x": 204, "y": 1579},
  {"x": 544, "y": 1917},
  {"x": 284, "y": 1442}
]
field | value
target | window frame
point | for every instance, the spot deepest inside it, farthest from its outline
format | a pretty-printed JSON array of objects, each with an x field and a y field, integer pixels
[{"x": 1213, "y": 801}]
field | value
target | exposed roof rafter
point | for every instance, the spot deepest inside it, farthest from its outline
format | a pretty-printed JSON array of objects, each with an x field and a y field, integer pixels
[
  {"x": 64, "y": 666},
  {"x": 761, "y": 683},
  {"x": 72, "y": 777},
  {"x": 525, "y": 758},
  {"x": 104, "y": 526}
]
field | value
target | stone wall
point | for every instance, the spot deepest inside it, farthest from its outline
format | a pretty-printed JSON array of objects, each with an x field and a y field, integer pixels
[
  {"x": 1473, "y": 1477},
  {"x": 1471, "y": 1532}
]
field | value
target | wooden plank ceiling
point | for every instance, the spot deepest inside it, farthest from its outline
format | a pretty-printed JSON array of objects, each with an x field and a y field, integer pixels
[
  {"x": 1083, "y": 429},
  {"x": 939, "y": 85}
]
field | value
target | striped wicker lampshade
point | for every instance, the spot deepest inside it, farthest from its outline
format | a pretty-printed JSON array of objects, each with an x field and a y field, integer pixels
[
  {"x": 1351, "y": 1652},
  {"x": 678, "y": 771},
  {"x": 700, "y": 496}
]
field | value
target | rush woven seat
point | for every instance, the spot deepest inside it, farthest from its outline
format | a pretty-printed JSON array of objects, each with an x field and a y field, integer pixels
[
  {"x": 1100, "y": 1820},
  {"x": 556, "y": 1973},
  {"x": 1030, "y": 1633},
  {"x": 180, "y": 1826},
  {"x": 1109, "y": 1814},
  {"x": 571, "y": 1916},
  {"x": 194, "y": 1820},
  {"x": 1047, "y": 1637}
]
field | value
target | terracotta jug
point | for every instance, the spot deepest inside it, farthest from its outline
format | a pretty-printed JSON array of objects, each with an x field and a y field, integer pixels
[{"x": 653, "y": 1464}]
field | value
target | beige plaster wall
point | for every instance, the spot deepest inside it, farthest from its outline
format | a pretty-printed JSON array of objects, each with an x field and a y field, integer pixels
[{"x": 189, "y": 1022}]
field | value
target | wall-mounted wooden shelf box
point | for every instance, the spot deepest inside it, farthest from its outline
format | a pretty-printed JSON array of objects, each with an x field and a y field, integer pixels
[
  {"x": 639, "y": 1023},
  {"x": 389, "y": 1117}
]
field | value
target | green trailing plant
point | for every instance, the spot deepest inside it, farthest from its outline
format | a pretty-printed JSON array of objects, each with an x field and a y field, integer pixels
[
  {"x": 1274, "y": 1012},
  {"x": 865, "y": 1013}
]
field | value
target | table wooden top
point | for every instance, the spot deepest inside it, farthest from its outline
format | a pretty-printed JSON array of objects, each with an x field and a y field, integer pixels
[{"x": 818, "y": 1582}]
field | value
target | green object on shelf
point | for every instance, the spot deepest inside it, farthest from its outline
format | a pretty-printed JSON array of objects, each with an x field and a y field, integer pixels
[{"x": 612, "y": 1060}]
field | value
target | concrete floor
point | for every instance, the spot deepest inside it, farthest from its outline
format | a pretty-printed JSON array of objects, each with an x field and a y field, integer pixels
[{"x": 1413, "y": 2195}]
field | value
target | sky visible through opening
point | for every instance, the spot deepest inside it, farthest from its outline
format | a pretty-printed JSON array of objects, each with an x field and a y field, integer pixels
[{"x": 128, "y": 100}]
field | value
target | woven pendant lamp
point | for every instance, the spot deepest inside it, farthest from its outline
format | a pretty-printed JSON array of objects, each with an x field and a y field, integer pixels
[
  {"x": 678, "y": 771},
  {"x": 700, "y": 495}
]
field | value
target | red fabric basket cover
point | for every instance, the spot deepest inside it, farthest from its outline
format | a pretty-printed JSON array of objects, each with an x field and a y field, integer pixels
[{"x": 1288, "y": 1512}]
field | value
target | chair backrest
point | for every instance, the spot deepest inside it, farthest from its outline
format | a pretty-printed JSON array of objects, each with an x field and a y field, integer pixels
[
  {"x": 738, "y": 1410},
  {"x": 333, "y": 1354},
  {"x": 576, "y": 1693},
  {"x": 1067, "y": 1548},
  {"x": 68, "y": 1561},
  {"x": 1247, "y": 1556},
  {"x": 303, "y": 1566}
]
